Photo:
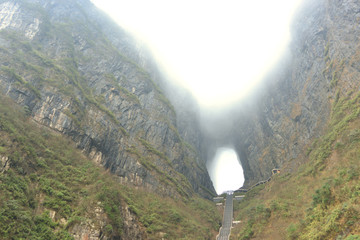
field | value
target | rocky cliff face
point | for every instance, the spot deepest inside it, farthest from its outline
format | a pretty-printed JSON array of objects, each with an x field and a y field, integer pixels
[
  {"x": 78, "y": 73},
  {"x": 94, "y": 227},
  {"x": 276, "y": 129}
]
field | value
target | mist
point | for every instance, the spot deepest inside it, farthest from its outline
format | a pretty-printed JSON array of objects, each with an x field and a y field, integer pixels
[
  {"x": 220, "y": 52},
  {"x": 225, "y": 170}
]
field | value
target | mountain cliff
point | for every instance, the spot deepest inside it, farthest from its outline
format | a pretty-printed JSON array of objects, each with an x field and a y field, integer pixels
[
  {"x": 294, "y": 105},
  {"x": 49, "y": 189},
  {"x": 306, "y": 122},
  {"x": 77, "y": 79},
  {"x": 78, "y": 73}
]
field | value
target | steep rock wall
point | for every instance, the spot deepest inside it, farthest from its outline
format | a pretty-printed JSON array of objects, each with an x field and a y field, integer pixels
[
  {"x": 294, "y": 105},
  {"x": 78, "y": 73}
]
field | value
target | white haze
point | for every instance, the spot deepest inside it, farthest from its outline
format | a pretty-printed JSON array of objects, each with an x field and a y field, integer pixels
[
  {"x": 226, "y": 171},
  {"x": 219, "y": 50}
]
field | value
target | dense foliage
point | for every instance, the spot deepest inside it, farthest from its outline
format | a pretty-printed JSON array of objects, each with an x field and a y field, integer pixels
[
  {"x": 321, "y": 199},
  {"x": 51, "y": 187}
]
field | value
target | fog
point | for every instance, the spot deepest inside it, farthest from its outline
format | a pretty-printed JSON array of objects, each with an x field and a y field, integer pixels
[
  {"x": 220, "y": 51},
  {"x": 226, "y": 170}
]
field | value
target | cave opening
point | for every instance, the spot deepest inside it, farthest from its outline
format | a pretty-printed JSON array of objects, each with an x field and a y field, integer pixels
[{"x": 225, "y": 170}]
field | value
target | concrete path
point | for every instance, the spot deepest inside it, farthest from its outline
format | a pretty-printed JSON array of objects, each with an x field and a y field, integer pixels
[{"x": 227, "y": 221}]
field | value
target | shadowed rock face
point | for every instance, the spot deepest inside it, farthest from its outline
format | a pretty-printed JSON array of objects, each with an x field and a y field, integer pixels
[
  {"x": 293, "y": 108},
  {"x": 78, "y": 73}
]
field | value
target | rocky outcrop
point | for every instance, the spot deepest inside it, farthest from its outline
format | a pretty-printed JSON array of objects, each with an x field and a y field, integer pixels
[
  {"x": 4, "y": 163},
  {"x": 92, "y": 229},
  {"x": 95, "y": 227},
  {"x": 78, "y": 73},
  {"x": 131, "y": 227},
  {"x": 294, "y": 106}
]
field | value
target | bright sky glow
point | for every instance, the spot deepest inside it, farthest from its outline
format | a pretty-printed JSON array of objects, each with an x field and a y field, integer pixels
[
  {"x": 219, "y": 50},
  {"x": 225, "y": 171}
]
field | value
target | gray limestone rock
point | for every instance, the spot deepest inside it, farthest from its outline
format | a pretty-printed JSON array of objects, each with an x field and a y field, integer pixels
[{"x": 78, "y": 73}]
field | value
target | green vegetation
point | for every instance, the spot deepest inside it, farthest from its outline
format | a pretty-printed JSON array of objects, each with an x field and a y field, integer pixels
[
  {"x": 333, "y": 67},
  {"x": 51, "y": 187},
  {"x": 320, "y": 200},
  {"x": 177, "y": 180},
  {"x": 152, "y": 149},
  {"x": 161, "y": 214},
  {"x": 11, "y": 73},
  {"x": 41, "y": 70},
  {"x": 128, "y": 95}
]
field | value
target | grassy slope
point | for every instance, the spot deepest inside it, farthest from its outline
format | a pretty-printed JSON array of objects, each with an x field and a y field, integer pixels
[
  {"x": 47, "y": 173},
  {"x": 321, "y": 199},
  {"x": 28, "y": 64}
]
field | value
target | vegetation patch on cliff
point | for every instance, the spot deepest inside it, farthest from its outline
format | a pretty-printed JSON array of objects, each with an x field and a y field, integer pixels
[
  {"x": 319, "y": 200},
  {"x": 48, "y": 188}
]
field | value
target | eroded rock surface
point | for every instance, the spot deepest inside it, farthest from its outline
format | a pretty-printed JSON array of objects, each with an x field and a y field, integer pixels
[
  {"x": 78, "y": 73},
  {"x": 294, "y": 105}
]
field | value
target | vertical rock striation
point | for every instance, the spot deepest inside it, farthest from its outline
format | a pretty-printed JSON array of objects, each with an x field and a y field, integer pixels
[
  {"x": 78, "y": 73},
  {"x": 294, "y": 105}
]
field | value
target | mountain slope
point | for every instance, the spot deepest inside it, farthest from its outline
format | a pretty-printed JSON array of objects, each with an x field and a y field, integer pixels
[
  {"x": 50, "y": 190},
  {"x": 294, "y": 105},
  {"x": 78, "y": 73},
  {"x": 320, "y": 199},
  {"x": 310, "y": 130}
]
